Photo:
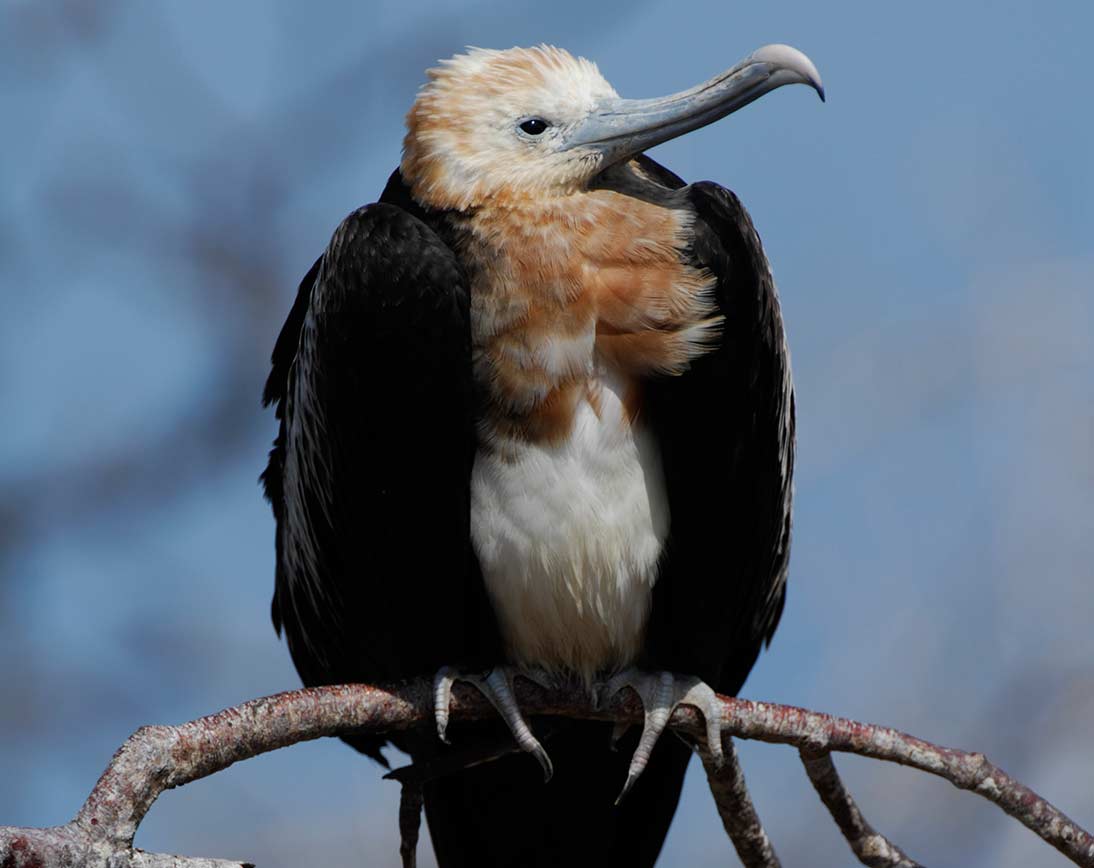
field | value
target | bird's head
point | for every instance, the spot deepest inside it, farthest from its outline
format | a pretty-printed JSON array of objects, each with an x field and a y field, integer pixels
[{"x": 535, "y": 122}]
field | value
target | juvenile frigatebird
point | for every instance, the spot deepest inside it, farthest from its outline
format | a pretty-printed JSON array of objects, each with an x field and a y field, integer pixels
[{"x": 536, "y": 414}]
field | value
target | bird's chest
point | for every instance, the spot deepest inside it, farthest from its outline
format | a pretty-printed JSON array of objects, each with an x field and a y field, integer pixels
[
  {"x": 568, "y": 535},
  {"x": 573, "y": 304}
]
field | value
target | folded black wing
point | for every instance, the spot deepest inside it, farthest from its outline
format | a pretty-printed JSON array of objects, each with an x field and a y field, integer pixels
[
  {"x": 726, "y": 433},
  {"x": 369, "y": 477}
]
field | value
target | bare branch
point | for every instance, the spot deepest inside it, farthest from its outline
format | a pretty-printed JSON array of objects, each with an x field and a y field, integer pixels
[
  {"x": 158, "y": 758},
  {"x": 140, "y": 859},
  {"x": 66, "y": 846},
  {"x": 871, "y": 847},
  {"x": 739, "y": 817},
  {"x": 817, "y": 733}
]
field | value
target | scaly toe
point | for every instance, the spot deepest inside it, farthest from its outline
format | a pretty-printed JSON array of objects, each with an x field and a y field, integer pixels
[
  {"x": 442, "y": 698},
  {"x": 660, "y": 693},
  {"x": 699, "y": 695},
  {"x": 497, "y": 687}
]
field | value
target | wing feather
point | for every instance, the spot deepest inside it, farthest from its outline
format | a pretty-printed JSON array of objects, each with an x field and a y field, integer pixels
[
  {"x": 369, "y": 477},
  {"x": 726, "y": 432}
]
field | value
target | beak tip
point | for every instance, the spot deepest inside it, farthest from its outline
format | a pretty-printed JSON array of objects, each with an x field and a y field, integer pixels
[{"x": 788, "y": 58}]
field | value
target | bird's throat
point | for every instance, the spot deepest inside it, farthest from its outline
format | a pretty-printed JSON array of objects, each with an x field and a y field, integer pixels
[{"x": 569, "y": 290}]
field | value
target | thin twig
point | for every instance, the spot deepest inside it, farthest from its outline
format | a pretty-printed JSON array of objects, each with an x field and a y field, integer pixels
[
  {"x": 410, "y": 821},
  {"x": 739, "y": 817},
  {"x": 157, "y": 758},
  {"x": 870, "y": 846},
  {"x": 816, "y": 732},
  {"x": 413, "y": 777}
]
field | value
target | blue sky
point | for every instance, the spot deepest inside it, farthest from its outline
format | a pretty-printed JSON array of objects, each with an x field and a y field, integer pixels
[{"x": 171, "y": 170}]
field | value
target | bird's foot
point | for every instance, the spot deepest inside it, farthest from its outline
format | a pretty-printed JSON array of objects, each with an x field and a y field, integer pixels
[
  {"x": 497, "y": 686},
  {"x": 660, "y": 693}
]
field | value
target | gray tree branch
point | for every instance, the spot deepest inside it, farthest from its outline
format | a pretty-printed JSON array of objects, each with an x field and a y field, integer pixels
[
  {"x": 870, "y": 846},
  {"x": 739, "y": 817},
  {"x": 158, "y": 758}
]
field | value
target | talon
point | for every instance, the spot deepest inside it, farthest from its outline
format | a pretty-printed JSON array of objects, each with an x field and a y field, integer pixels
[
  {"x": 631, "y": 779},
  {"x": 497, "y": 687},
  {"x": 499, "y": 690},
  {"x": 543, "y": 759},
  {"x": 660, "y": 693}
]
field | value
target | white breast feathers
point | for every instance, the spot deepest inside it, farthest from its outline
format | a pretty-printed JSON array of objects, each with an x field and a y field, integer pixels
[{"x": 569, "y": 536}]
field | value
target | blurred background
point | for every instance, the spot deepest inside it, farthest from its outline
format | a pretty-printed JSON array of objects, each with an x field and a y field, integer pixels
[{"x": 169, "y": 172}]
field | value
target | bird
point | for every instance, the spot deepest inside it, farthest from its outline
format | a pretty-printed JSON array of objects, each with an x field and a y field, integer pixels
[{"x": 536, "y": 417}]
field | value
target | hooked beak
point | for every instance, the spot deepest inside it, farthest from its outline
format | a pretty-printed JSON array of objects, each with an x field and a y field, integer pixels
[{"x": 621, "y": 128}]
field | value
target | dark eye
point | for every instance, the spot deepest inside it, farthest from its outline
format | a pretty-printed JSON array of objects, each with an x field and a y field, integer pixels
[{"x": 534, "y": 126}]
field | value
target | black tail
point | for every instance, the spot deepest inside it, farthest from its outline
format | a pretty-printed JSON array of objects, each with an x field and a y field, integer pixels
[{"x": 502, "y": 815}]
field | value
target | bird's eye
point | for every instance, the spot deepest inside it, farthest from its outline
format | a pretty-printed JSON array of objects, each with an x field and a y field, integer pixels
[{"x": 534, "y": 126}]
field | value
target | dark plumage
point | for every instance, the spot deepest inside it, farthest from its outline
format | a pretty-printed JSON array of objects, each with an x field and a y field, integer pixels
[
  {"x": 371, "y": 378},
  {"x": 389, "y": 391},
  {"x": 382, "y": 320}
]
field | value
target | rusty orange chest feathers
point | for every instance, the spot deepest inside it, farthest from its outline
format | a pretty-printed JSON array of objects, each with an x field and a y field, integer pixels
[{"x": 574, "y": 292}]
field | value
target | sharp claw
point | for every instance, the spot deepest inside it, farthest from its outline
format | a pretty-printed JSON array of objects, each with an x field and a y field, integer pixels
[
  {"x": 500, "y": 694},
  {"x": 660, "y": 694},
  {"x": 631, "y": 778},
  {"x": 658, "y": 706},
  {"x": 544, "y": 761},
  {"x": 498, "y": 688}
]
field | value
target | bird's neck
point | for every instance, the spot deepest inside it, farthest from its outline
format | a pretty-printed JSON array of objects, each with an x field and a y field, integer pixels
[{"x": 566, "y": 292}]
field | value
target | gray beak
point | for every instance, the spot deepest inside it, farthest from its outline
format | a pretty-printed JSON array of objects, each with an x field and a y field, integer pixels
[{"x": 621, "y": 128}]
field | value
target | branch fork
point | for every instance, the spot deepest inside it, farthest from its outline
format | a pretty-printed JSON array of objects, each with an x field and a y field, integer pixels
[{"x": 157, "y": 758}]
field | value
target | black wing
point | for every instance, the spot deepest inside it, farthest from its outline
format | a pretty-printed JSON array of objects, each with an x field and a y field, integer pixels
[
  {"x": 726, "y": 433},
  {"x": 369, "y": 477}
]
